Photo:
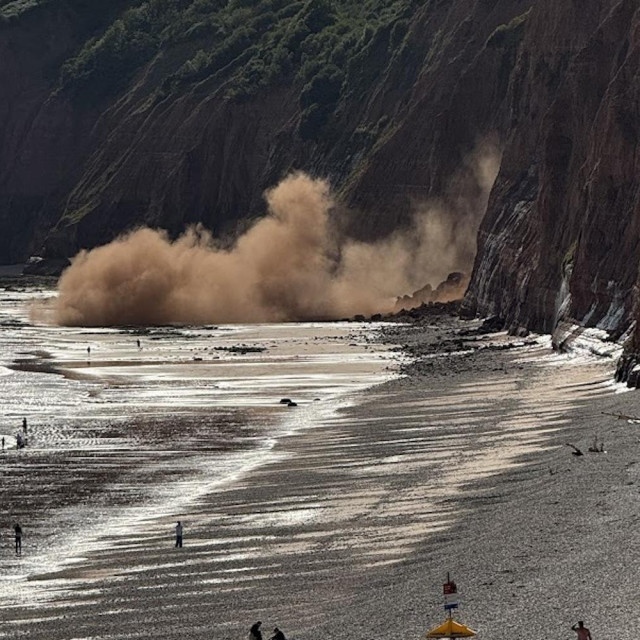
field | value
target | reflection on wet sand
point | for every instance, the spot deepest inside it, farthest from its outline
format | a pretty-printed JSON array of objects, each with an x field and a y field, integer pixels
[{"x": 137, "y": 427}]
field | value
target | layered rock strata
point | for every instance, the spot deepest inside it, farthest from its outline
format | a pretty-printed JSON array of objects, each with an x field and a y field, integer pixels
[{"x": 561, "y": 238}]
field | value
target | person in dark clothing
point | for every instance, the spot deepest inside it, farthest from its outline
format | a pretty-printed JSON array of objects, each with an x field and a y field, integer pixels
[
  {"x": 255, "y": 633},
  {"x": 18, "y": 535},
  {"x": 277, "y": 635},
  {"x": 24, "y": 425},
  {"x": 179, "y": 534},
  {"x": 582, "y": 631}
]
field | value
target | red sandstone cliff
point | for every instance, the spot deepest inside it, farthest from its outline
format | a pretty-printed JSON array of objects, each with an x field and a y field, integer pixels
[{"x": 561, "y": 236}]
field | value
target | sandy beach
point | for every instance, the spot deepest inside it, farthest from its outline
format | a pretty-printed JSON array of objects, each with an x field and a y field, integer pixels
[{"x": 344, "y": 524}]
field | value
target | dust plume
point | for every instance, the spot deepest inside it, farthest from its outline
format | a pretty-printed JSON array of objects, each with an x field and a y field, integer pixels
[
  {"x": 447, "y": 229},
  {"x": 289, "y": 266}
]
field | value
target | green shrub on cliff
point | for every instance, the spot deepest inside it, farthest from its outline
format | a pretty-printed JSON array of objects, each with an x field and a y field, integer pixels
[
  {"x": 106, "y": 62},
  {"x": 318, "y": 99},
  {"x": 243, "y": 46},
  {"x": 13, "y": 8},
  {"x": 324, "y": 87}
]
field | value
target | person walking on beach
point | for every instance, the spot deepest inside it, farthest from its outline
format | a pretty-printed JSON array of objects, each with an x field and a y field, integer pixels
[
  {"x": 582, "y": 631},
  {"x": 179, "y": 535},
  {"x": 277, "y": 635},
  {"x": 17, "y": 529},
  {"x": 2, "y": 444},
  {"x": 24, "y": 425},
  {"x": 254, "y": 632}
]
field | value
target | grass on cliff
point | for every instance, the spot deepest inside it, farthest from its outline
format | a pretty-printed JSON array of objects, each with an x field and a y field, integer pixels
[
  {"x": 10, "y": 9},
  {"x": 326, "y": 46}
]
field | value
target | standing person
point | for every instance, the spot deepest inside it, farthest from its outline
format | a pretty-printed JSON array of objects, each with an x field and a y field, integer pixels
[
  {"x": 24, "y": 425},
  {"x": 88, "y": 352},
  {"x": 138, "y": 341},
  {"x": 277, "y": 635},
  {"x": 18, "y": 535},
  {"x": 254, "y": 632},
  {"x": 179, "y": 535},
  {"x": 2, "y": 444},
  {"x": 582, "y": 631}
]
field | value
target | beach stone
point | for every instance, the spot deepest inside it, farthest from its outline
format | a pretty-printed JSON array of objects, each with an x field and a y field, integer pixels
[
  {"x": 633, "y": 378},
  {"x": 625, "y": 369},
  {"x": 492, "y": 325}
]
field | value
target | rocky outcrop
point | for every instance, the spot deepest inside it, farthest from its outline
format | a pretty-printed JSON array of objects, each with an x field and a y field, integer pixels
[
  {"x": 628, "y": 370},
  {"x": 452, "y": 288},
  {"x": 560, "y": 238}
]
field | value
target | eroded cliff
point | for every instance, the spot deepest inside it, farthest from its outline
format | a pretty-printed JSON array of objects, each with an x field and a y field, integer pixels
[
  {"x": 169, "y": 112},
  {"x": 560, "y": 238},
  {"x": 189, "y": 127}
]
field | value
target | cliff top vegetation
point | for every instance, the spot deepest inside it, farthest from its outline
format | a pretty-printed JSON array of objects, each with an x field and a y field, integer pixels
[{"x": 242, "y": 46}]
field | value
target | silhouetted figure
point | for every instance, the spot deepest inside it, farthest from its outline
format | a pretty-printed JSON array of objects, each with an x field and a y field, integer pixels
[
  {"x": 277, "y": 635},
  {"x": 254, "y": 632},
  {"x": 3, "y": 444},
  {"x": 20, "y": 442},
  {"x": 24, "y": 425},
  {"x": 179, "y": 535},
  {"x": 138, "y": 341},
  {"x": 582, "y": 631},
  {"x": 88, "y": 352},
  {"x": 576, "y": 451},
  {"x": 17, "y": 529}
]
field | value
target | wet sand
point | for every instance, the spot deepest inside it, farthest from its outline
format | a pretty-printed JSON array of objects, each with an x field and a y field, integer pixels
[
  {"x": 346, "y": 525},
  {"x": 124, "y": 439}
]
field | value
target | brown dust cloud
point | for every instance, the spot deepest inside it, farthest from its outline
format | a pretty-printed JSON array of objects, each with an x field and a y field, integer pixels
[{"x": 289, "y": 266}]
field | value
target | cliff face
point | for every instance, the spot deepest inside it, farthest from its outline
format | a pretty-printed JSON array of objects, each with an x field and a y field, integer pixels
[
  {"x": 80, "y": 163},
  {"x": 560, "y": 238},
  {"x": 40, "y": 137},
  {"x": 108, "y": 122}
]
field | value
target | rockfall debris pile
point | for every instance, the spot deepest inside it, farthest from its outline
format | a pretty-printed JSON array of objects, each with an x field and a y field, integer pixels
[{"x": 448, "y": 290}]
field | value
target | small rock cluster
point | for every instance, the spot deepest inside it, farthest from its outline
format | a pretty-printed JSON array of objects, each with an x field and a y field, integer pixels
[{"x": 628, "y": 370}]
